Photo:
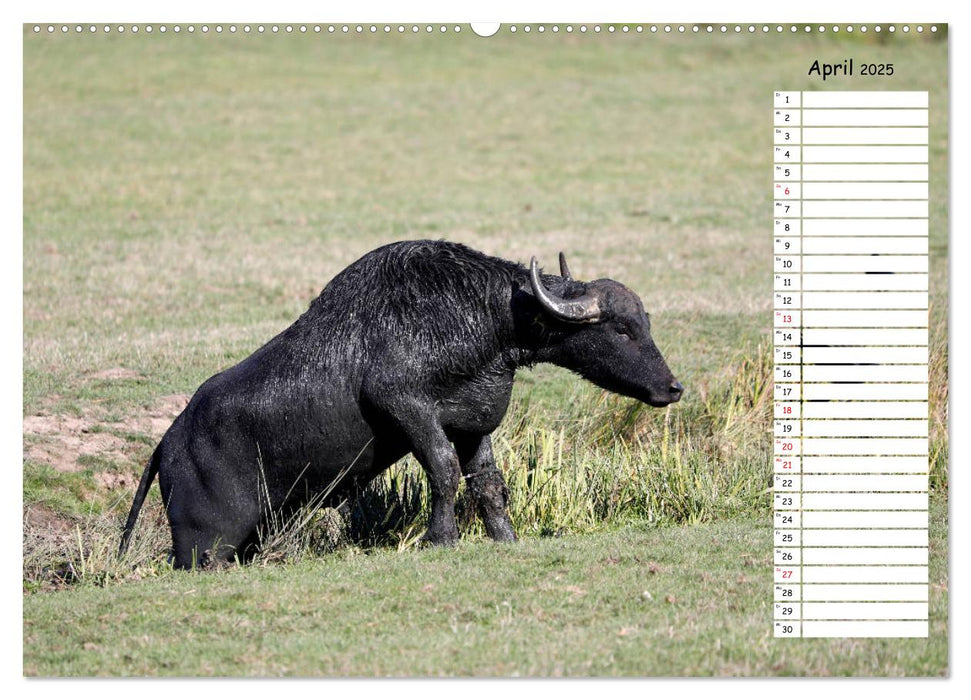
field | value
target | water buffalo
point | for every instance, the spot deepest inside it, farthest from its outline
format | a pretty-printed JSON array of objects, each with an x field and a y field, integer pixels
[{"x": 411, "y": 349}]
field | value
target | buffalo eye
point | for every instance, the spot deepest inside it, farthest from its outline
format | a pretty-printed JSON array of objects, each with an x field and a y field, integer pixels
[{"x": 623, "y": 334}]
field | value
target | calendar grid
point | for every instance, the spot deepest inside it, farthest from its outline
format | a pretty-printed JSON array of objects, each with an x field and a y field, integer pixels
[{"x": 851, "y": 355}]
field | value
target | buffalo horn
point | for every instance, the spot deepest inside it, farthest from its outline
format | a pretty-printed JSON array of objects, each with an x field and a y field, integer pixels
[
  {"x": 564, "y": 269},
  {"x": 584, "y": 309}
]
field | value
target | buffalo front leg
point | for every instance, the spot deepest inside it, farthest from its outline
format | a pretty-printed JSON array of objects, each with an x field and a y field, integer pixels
[
  {"x": 488, "y": 487},
  {"x": 437, "y": 457}
]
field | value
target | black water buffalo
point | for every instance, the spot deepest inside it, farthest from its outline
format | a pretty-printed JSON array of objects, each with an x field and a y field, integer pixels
[{"x": 413, "y": 348}]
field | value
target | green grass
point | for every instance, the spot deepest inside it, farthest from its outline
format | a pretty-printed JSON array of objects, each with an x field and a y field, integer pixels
[
  {"x": 638, "y": 601},
  {"x": 185, "y": 197}
]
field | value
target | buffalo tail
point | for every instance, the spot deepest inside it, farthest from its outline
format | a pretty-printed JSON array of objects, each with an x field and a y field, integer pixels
[{"x": 147, "y": 478}]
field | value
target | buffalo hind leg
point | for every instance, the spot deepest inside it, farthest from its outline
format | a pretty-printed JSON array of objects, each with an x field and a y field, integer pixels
[{"x": 487, "y": 485}]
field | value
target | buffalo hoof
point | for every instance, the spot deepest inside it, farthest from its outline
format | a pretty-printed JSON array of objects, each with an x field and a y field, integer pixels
[
  {"x": 434, "y": 538},
  {"x": 501, "y": 531}
]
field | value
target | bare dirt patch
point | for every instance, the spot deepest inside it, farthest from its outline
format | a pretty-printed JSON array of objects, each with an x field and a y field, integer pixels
[
  {"x": 62, "y": 440},
  {"x": 115, "y": 480},
  {"x": 116, "y": 373},
  {"x": 158, "y": 418},
  {"x": 40, "y": 517}
]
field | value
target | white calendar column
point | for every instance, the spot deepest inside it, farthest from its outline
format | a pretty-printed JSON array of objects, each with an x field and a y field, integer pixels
[
  {"x": 863, "y": 283},
  {"x": 788, "y": 358}
]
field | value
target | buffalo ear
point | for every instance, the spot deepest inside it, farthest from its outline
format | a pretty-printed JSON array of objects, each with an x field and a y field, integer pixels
[{"x": 583, "y": 309}]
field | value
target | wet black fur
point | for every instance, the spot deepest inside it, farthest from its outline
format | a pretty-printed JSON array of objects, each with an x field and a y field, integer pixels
[{"x": 413, "y": 348}]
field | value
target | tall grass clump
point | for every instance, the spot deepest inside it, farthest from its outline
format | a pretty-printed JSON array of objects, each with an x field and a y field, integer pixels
[
  {"x": 84, "y": 550},
  {"x": 313, "y": 527},
  {"x": 704, "y": 458},
  {"x": 937, "y": 387}
]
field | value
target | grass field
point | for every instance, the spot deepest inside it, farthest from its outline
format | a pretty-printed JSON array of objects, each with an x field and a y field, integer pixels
[
  {"x": 185, "y": 197},
  {"x": 639, "y": 601}
]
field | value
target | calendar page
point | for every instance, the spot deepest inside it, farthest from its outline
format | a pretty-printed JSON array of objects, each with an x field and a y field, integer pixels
[{"x": 545, "y": 349}]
